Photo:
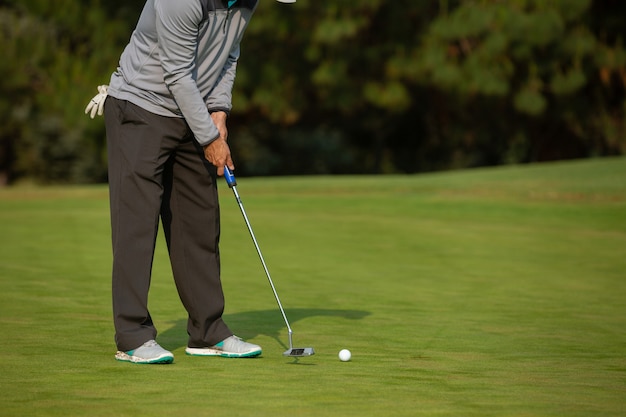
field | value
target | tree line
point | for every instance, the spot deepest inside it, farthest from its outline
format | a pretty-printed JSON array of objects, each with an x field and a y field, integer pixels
[{"x": 359, "y": 86}]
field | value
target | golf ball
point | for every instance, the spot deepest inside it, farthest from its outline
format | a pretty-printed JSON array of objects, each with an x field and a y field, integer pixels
[{"x": 344, "y": 355}]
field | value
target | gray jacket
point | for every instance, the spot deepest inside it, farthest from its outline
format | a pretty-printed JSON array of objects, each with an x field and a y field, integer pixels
[{"x": 181, "y": 60}]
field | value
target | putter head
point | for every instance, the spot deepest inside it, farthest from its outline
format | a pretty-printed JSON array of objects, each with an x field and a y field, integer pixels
[{"x": 299, "y": 352}]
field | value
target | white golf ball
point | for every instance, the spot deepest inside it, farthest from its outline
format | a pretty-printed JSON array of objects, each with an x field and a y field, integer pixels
[{"x": 344, "y": 355}]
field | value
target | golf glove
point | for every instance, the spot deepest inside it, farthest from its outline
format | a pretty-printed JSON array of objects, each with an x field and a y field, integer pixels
[{"x": 96, "y": 105}]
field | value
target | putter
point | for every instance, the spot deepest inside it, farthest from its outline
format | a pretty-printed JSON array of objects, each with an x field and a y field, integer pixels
[{"x": 294, "y": 352}]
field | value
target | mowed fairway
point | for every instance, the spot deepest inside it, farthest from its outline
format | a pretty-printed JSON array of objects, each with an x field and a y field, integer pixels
[{"x": 491, "y": 292}]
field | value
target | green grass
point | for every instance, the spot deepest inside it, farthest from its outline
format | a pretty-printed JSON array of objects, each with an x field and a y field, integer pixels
[{"x": 491, "y": 292}]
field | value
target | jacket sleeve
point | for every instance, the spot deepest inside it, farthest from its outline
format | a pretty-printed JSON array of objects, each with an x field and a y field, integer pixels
[
  {"x": 177, "y": 25},
  {"x": 221, "y": 97}
]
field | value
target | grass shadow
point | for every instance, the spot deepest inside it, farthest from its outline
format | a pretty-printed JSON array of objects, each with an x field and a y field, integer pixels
[{"x": 249, "y": 324}]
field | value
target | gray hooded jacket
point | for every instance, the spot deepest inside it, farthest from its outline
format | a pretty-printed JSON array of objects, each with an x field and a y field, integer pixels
[{"x": 181, "y": 60}]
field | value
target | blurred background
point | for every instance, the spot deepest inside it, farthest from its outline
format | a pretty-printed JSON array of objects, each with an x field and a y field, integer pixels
[{"x": 338, "y": 86}]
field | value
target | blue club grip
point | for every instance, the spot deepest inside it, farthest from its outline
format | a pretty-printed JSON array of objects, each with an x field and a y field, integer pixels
[{"x": 230, "y": 177}]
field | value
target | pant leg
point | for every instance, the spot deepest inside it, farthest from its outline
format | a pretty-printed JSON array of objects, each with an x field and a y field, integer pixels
[
  {"x": 191, "y": 221},
  {"x": 139, "y": 143}
]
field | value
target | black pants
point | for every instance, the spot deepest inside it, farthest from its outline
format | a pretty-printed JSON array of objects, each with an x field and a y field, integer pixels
[{"x": 157, "y": 170}]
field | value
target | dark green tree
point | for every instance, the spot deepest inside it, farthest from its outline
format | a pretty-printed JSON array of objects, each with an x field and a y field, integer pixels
[
  {"x": 359, "y": 86},
  {"x": 55, "y": 53}
]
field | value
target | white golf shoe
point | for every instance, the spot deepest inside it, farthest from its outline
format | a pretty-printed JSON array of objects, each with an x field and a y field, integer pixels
[
  {"x": 148, "y": 353},
  {"x": 231, "y": 347}
]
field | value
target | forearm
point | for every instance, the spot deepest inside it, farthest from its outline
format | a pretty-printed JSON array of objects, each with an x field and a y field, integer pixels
[
  {"x": 194, "y": 110},
  {"x": 220, "y": 98}
]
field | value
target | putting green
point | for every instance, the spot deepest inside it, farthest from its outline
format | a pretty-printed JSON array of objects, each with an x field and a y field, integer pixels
[{"x": 487, "y": 292}]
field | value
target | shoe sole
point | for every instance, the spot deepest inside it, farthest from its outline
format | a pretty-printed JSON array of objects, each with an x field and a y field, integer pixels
[
  {"x": 163, "y": 359},
  {"x": 220, "y": 353}
]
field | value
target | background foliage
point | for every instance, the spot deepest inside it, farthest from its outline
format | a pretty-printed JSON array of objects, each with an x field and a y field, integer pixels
[{"x": 359, "y": 86}]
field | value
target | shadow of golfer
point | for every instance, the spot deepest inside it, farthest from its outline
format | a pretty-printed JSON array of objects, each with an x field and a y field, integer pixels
[{"x": 250, "y": 324}]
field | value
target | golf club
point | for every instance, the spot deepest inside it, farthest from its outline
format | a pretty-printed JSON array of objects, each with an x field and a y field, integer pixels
[{"x": 295, "y": 352}]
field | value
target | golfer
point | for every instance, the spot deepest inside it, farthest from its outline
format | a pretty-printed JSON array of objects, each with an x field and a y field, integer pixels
[{"x": 165, "y": 113}]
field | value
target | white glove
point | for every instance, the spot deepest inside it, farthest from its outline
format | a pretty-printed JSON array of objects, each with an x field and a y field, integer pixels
[{"x": 96, "y": 105}]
